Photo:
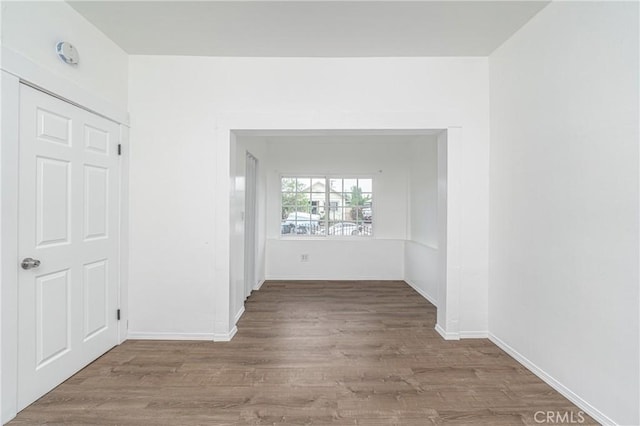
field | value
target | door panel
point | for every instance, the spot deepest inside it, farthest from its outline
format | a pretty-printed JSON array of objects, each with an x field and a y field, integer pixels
[
  {"x": 96, "y": 140},
  {"x": 96, "y": 297},
  {"x": 96, "y": 202},
  {"x": 53, "y": 127},
  {"x": 68, "y": 219},
  {"x": 53, "y": 336},
  {"x": 52, "y": 202}
]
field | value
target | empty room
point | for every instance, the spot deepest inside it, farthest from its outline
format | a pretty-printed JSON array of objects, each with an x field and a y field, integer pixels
[{"x": 320, "y": 212}]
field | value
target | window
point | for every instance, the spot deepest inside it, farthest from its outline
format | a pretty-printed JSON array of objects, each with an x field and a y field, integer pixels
[{"x": 327, "y": 206}]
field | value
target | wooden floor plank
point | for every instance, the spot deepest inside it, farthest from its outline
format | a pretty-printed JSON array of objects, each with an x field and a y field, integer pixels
[{"x": 321, "y": 352}]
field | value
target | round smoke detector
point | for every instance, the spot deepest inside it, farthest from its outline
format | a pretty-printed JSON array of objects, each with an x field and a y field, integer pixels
[{"x": 67, "y": 52}]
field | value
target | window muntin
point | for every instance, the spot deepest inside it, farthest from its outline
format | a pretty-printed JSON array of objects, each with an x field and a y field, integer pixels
[{"x": 326, "y": 206}]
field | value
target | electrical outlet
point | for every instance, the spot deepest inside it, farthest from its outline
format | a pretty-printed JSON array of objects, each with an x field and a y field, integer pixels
[{"x": 304, "y": 258}]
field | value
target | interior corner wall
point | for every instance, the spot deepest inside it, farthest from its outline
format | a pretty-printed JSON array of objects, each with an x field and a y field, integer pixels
[
  {"x": 422, "y": 245},
  {"x": 423, "y": 192},
  {"x": 33, "y": 28},
  {"x": 380, "y": 257},
  {"x": 563, "y": 270}
]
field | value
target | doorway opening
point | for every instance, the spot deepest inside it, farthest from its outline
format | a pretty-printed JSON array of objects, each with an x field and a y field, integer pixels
[{"x": 407, "y": 206}]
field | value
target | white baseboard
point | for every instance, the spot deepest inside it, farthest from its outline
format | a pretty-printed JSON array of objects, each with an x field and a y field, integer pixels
[
  {"x": 474, "y": 334},
  {"x": 153, "y": 335},
  {"x": 445, "y": 335},
  {"x": 216, "y": 337},
  {"x": 239, "y": 314},
  {"x": 422, "y": 293},
  {"x": 482, "y": 334},
  {"x": 325, "y": 278},
  {"x": 257, "y": 286},
  {"x": 566, "y": 392},
  {"x": 225, "y": 337}
]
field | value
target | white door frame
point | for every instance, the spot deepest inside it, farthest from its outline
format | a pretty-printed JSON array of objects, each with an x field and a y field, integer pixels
[
  {"x": 448, "y": 309},
  {"x": 250, "y": 216},
  {"x": 17, "y": 70}
]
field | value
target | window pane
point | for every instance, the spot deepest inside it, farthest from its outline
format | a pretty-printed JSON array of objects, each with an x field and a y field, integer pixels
[
  {"x": 289, "y": 198},
  {"x": 367, "y": 212},
  {"x": 349, "y": 184},
  {"x": 318, "y": 200},
  {"x": 288, "y": 185},
  {"x": 365, "y": 185},
  {"x": 345, "y": 229},
  {"x": 300, "y": 208},
  {"x": 303, "y": 228},
  {"x": 318, "y": 185},
  {"x": 286, "y": 210},
  {"x": 338, "y": 215},
  {"x": 286, "y": 228},
  {"x": 295, "y": 198},
  {"x": 335, "y": 228},
  {"x": 303, "y": 198},
  {"x": 365, "y": 229},
  {"x": 304, "y": 184},
  {"x": 336, "y": 185},
  {"x": 306, "y": 209},
  {"x": 356, "y": 213}
]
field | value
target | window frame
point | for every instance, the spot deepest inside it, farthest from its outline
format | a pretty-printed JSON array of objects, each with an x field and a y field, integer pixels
[{"x": 325, "y": 221}]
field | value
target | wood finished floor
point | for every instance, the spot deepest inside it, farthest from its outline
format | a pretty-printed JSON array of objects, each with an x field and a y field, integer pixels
[{"x": 342, "y": 353}]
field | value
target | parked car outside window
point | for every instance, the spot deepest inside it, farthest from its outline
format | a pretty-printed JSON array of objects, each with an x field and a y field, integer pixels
[
  {"x": 300, "y": 223},
  {"x": 349, "y": 228}
]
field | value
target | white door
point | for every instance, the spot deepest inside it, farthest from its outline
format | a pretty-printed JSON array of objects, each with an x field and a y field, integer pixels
[{"x": 68, "y": 222}]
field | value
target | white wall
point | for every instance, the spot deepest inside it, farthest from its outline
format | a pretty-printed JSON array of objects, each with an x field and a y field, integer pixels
[
  {"x": 421, "y": 247},
  {"x": 423, "y": 192},
  {"x": 563, "y": 288},
  {"x": 382, "y": 158},
  {"x": 32, "y": 30},
  {"x": 421, "y": 269},
  {"x": 329, "y": 259},
  {"x": 174, "y": 104}
]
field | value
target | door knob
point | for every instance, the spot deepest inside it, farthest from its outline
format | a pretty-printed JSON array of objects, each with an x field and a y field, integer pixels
[{"x": 29, "y": 263}]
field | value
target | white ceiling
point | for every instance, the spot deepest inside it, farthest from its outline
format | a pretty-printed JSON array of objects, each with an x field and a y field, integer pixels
[{"x": 309, "y": 28}]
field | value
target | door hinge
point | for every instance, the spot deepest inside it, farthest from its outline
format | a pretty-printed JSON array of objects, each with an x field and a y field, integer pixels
[
  {"x": 118, "y": 314},
  {"x": 119, "y": 149}
]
